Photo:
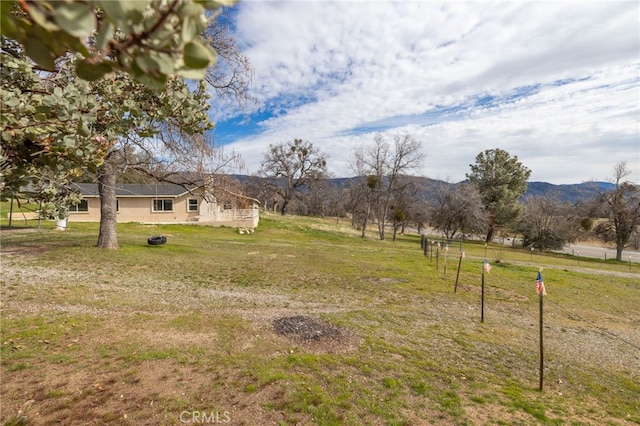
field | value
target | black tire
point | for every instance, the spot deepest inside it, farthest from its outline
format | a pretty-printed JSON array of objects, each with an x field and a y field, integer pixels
[{"x": 157, "y": 241}]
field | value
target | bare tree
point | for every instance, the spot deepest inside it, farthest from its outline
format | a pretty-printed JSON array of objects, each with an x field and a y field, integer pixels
[
  {"x": 292, "y": 166},
  {"x": 621, "y": 206},
  {"x": 383, "y": 165},
  {"x": 403, "y": 203},
  {"x": 547, "y": 224},
  {"x": 458, "y": 208},
  {"x": 361, "y": 193},
  {"x": 232, "y": 74}
]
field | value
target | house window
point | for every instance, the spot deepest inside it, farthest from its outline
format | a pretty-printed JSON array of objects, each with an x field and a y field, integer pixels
[
  {"x": 228, "y": 205},
  {"x": 163, "y": 205},
  {"x": 192, "y": 205},
  {"x": 83, "y": 206}
]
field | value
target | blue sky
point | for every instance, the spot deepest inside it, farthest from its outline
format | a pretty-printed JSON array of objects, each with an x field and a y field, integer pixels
[{"x": 556, "y": 84}]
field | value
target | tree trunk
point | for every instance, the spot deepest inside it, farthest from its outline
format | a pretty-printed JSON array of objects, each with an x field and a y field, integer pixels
[
  {"x": 364, "y": 224},
  {"x": 381, "y": 226},
  {"x": 108, "y": 238},
  {"x": 284, "y": 206},
  {"x": 619, "y": 250},
  {"x": 489, "y": 234}
]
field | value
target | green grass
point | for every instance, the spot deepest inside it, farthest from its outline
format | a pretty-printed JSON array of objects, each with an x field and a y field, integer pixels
[{"x": 187, "y": 326}]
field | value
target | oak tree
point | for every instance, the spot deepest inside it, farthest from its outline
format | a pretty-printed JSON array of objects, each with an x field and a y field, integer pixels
[
  {"x": 457, "y": 208},
  {"x": 151, "y": 40},
  {"x": 547, "y": 224},
  {"x": 621, "y": 207},
  {"x": 291, "y": 166},
  {"x": 58, "y": 122},
  {"x": 381, "y": 167}
]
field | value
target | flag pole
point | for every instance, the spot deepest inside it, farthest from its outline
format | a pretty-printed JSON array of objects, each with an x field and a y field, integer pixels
[
  {"x": 541, "y": 297},
  {"x": 541, "y": 293},
  {"x": 455, "y": 287},
  {"x": 482, "y": 299},
  {"x": 446, "y": 251},
  {"x": 485, "y": 268}
]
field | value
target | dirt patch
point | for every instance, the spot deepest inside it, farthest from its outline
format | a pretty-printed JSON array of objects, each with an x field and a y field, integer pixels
[
  {"x": 387, "y": 280},
  {"x": 27, "y": 249},
  {"x": 315, "y": 335},
  {"x": 302, "y": 328}
]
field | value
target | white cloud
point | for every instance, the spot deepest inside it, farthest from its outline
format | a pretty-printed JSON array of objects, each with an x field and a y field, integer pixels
[{"x": 329, "y": 70}]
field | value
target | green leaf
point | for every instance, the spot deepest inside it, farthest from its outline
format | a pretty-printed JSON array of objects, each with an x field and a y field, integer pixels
[
  {"x": 48, "y": 102},
  {"x": 190, "y": 9},
  {"x": 146, "y": 63},
  {"x": 13, "y": 102},
  {"x": 164, "y": 61},
  {"x": 135, "y": 5},
  {"x": 105, "y": 34},
  {"x": 197, "y": 55},
  {"x": 215, "y": 4},
  {"x": 39, "y": 118},
  {"x": 154, "y": 81},
  {"x": 62, "y": 42},
  {"x": 75, "y": 18},
  {"x": 83, "y": 130},
  {"x": 69, "y": 141},
  {"x": 37, "y": 50},
  {"x": 189, "y": 30},
  {"x": 136, "y": 18},
  {"x": 192, "y": 73},
  {"x": 41, "y": 20},
  {"x": 114, "y": 9},
  {"x": 8, "y": 25},
  {"x": 92, "y": 72}
]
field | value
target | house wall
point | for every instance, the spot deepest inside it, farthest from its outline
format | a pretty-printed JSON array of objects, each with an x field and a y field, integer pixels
[
  {"x": 92, "y": 215},
  {"x": 139, "y": 209}
]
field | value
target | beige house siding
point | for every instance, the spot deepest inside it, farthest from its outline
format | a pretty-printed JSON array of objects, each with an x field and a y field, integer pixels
[{"x": 140, "y": 209}]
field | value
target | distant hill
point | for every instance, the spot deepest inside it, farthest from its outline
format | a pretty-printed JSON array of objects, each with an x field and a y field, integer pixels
[
  {"x": 571, "y": 193},
  {"x": 564, "y": 193}
]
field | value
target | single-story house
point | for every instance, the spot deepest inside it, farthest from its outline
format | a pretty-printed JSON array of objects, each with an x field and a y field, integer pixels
[{"x": 169, "y": 203}]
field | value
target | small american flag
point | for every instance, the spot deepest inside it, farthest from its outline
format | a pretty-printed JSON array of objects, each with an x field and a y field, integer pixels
[
  {"x": 540, "y": 285},
  {"x": 486, "y": 267}
]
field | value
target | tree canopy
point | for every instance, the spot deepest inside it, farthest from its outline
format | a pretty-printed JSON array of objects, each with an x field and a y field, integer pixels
[
  {"x": 457, "y": 208},
  {"x": 381, "y": 167},
  {"x": 151, "y": 40},
  {"x": 501, "y": 180},
  {"x": 63, "y": 124},
  {"x": 621, "y": 207},
  {"x": 293, "y": 165},
  {"x": 547, "y": 224}
]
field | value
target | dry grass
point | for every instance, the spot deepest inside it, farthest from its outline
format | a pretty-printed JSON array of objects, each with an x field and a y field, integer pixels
[{"x": 145, "y": 335}]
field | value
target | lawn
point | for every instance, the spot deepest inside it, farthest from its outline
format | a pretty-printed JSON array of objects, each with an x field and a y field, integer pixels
[{"x": 303, "y": 322}]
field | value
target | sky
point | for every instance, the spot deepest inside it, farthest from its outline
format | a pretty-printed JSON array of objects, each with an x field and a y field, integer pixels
[{"x": 556, "y": 84}]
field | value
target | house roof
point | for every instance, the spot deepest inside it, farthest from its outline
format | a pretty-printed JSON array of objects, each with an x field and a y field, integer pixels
[
  {"x": 146, "y": 190},
  {"x": 135, "y": 190}
]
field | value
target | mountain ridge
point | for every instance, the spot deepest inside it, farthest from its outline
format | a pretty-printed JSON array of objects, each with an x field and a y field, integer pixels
[{"x": 571, "y": 193}]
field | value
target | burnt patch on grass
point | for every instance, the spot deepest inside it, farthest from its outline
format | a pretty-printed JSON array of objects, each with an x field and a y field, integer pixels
[{"x": 305, "y": 328}]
